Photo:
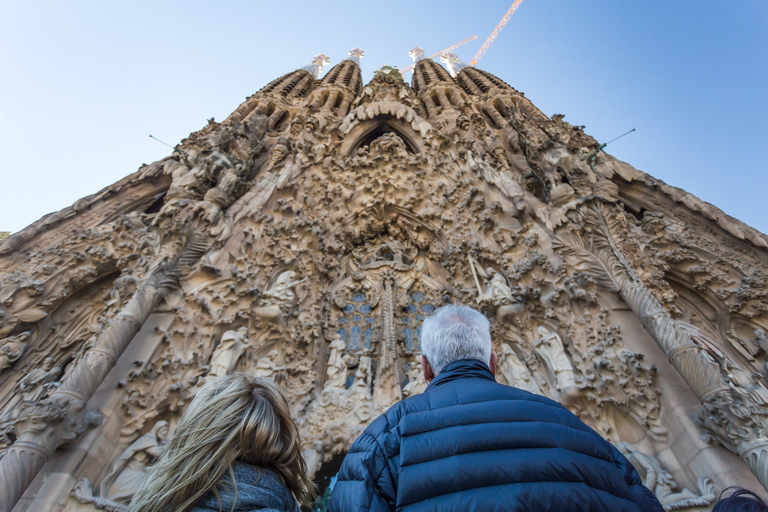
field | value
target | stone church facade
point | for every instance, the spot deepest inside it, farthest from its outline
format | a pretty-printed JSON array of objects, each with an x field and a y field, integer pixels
[{"x": 306, "y": 237}]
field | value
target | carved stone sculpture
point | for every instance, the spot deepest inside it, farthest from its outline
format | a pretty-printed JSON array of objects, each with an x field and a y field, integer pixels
[
  {"x": 513, "y": 372},
  {"x": 328, "y": 209},
  {"x": 550, "y": 347},
  {"x": 128, "y": 471},
  {"x": 663, "y": 485},
  {"x": 11, "y": 349},
  {"x": 416, "y": 381},
  {"x": 267, "y": 365},
  {"x": 229, "y": 350},
  {"x": 336, "y": 374}
]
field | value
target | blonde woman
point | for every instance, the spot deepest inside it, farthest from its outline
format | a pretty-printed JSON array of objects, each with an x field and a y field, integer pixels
[{"x": 236, "y": 448}]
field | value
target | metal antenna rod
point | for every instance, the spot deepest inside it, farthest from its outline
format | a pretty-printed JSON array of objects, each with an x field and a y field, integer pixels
[
  {"x": 161, "y": 142},
  {"x": 617, "y": 138}
]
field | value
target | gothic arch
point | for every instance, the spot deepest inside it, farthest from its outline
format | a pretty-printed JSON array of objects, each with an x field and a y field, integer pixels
[{"x": 367, "y": 131}]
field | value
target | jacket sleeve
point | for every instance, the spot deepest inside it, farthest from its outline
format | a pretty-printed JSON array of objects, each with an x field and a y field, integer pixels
[
  {"x": 365, "y": 481},
  {"x": 641, "y": 495}
]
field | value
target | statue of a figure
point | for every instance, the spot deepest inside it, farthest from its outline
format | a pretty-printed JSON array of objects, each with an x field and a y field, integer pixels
[
  {"x": 761, "y": 338},
  {"x": 281, "y": 292},
  {"x": 12, "y": 347},
  {"x": 550, "y": 347},
  {"x": 36, "y": 384},
  {"x": 513, "y": 372},
  {"x": 337, "y": 368},
  {"x": 661, "y": 482},
  {"x": 749, "y": 382},
  {"x": 363, "y": 375},
  {"x": 129, "y": 470},
  {"x": 416, "y": 381},
  {"x": 497, "y": 291},
  {"x": 226, "y": 355},
  {"x": 266, "y": 366}
]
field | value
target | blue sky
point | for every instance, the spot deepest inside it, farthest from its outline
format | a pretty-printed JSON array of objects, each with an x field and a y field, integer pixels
[{"x": 83, "y": 84}]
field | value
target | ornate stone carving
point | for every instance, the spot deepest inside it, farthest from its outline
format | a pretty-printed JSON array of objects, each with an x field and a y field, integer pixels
[
  {"x": 662, "y": 483},
  {"x": 550, "y": 347},
  {"x": 513, "y": 372},
  {"x": 306, "y": 237},
  {"x": 128, "y": 471},
  {"x": 227, "y": 353}
]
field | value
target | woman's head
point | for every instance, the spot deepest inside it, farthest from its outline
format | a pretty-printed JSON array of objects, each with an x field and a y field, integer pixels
[
  {"x": 740, "y": 500},
  {"x": 235, "y": 417}
]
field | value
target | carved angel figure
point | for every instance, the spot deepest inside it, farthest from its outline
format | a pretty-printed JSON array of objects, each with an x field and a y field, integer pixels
[
  {"x": 11, "y": 349},
  {"x": 661, "y": 482},
  {"x": 513, "y": 372},
  {"x": 226, "y": 355},
  {"x": 281, "y": 292},
  {"x": 497, "y": 291},
  {"x": 550, "y": 347},
  {"x": 129, "y": 470}
]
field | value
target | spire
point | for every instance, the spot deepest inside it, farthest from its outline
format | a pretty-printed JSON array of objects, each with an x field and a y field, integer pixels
[
  {"x": 316, "y": 66},
  {"x": 355, "y": 54},
  {"x": 416, "y": 54},
  {"x": 453, "y": 62}
]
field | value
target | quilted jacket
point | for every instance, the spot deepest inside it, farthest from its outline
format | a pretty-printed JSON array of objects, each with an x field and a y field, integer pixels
[{"x": 469, "y": 443}]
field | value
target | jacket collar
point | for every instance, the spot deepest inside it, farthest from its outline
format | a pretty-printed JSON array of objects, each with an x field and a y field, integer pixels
[{"x": 462, "y": 369}]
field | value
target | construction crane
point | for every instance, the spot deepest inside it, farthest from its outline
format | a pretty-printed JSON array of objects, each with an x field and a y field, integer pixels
[
  {"x": 440, "y": 53},
  {"x": 495, "y": 32}
]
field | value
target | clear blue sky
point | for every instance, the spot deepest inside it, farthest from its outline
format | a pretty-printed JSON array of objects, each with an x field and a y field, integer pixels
[{"x": 83, "y": 84}]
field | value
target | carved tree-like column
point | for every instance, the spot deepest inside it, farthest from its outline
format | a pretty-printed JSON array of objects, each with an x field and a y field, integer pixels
[
  {"x": 387, "y": 390},
  {"x": 730, "y": 414},
  {"x": 43, "y": 427}
]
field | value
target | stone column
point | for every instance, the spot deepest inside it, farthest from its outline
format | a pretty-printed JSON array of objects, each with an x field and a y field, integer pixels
[
  {"x": 730, "y": 415},
  {"x": 42, "y": 427}
]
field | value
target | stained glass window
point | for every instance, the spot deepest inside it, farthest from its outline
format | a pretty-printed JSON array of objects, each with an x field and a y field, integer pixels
[
  {"x": 411, "y": 318},
  {"x": 357, "y": 322}
]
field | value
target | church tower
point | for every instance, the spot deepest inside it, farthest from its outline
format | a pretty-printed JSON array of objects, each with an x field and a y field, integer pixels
[{"x": 306, "y": 237}]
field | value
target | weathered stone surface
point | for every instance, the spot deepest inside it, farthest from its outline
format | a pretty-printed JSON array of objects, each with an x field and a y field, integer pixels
[{"x": 305, "y": 237}]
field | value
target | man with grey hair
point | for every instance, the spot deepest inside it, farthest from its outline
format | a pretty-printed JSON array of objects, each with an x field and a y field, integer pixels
[{"x": 469, "y": 443}]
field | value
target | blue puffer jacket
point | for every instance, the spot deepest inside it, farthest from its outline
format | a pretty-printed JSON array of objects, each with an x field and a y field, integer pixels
[{"x": 468, "y": 443}]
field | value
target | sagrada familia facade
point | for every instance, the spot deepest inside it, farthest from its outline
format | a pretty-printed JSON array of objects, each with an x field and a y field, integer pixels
[{"x": 305, "y": 238}]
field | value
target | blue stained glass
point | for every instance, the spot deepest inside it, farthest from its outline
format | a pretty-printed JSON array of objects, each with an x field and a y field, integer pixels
[
  {"x": 350, "y": 381},
  {"x": 410, "y": 308},
  {"x": 428, "y": 308},
  {"x": 358, "y": 297},
  {"x": 354, "y": 342},
  {"x": 370, "y": 319},
  {"x": 367, "y": 337},
  {"x": 406, "y": 320},
  {"x": 349, "y": 308},
  {"x": 365, "y": 309},
  {"x": 419, "y": 317},
  {"x": 417, "y": 296},
  {"x": 342, "y": 334},
  {"x": 342, "y": 320},
  {"x": 418, "y": 337},
  {"x": 408, "y": 339},
  {"x": 356, "y": 318}
]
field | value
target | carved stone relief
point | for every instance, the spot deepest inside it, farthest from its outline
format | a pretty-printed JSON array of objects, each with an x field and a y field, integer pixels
[{"x": 306, "y": 237}]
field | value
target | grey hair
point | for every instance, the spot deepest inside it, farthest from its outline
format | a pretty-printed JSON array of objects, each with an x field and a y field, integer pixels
[{"x": 455, "y": 332}]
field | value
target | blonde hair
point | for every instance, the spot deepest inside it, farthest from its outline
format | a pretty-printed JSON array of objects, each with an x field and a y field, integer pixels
[{"x": 235, "y": 417}]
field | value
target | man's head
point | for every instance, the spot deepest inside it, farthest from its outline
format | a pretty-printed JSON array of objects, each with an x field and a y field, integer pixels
[{"x": 452, "y": 333}]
